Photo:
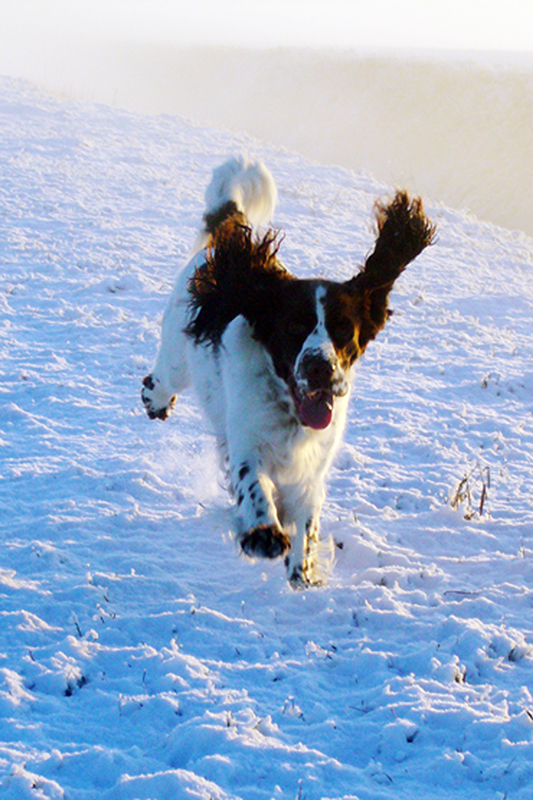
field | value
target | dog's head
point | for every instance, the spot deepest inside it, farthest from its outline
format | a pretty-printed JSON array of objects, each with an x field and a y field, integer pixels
[
  {"x": 312, "y": 335},
  {"x": 315, "y": 330}
]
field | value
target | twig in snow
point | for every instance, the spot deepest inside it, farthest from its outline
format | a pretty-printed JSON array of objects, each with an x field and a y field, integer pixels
[{"x": 467, "y": 490}]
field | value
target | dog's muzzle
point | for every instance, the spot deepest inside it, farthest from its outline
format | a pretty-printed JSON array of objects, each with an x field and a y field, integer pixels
[{"x": 318, "y": 381}]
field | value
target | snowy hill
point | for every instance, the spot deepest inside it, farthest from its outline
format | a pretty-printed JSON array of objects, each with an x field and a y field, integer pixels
[{"x": 140, "y": 657}]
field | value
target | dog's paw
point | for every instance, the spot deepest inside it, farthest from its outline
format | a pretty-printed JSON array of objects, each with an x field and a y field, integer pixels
[
  {"x": 305, "y": 574},
  {"x": 265, "y": 541},
  {"x": 301, "y": 576},
  {"x": 157, "y": 403}
]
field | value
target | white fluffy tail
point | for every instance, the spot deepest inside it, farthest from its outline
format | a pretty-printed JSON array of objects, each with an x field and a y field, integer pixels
[
  {"x": 238, "y": 185},
  {"x": 248, "y": 184}
]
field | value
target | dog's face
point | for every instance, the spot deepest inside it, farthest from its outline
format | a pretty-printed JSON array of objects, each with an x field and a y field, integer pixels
[{"x": 312, "y": 332}]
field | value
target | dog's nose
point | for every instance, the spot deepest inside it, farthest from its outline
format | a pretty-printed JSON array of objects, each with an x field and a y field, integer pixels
[{"x": 317, "y": 371}]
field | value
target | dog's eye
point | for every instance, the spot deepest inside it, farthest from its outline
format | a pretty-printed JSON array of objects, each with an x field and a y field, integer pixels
[{"x": 343, "y": 332}]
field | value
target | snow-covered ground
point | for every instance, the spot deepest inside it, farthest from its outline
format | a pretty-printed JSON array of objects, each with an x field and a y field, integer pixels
[{"x": 140, "y": 657}]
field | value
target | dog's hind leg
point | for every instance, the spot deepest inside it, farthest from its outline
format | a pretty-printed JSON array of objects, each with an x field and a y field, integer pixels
[{"x": 170, "y": 373}]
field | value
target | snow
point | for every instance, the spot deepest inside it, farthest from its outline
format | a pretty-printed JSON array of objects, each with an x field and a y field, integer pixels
[{"x": 140, "y": 656}]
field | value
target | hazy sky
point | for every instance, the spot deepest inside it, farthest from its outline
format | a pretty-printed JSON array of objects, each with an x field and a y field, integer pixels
[
  {"x": 460, "y": 135},
  {"x": 435, "y": 24}
]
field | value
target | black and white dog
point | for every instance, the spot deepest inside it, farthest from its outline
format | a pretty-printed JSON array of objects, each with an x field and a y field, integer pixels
[{"x": 270, "y": 356}]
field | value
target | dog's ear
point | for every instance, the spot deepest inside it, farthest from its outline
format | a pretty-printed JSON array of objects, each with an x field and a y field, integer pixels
[
  {"x": 239, "y": 276},
  {"x": 403, "y": 231}
]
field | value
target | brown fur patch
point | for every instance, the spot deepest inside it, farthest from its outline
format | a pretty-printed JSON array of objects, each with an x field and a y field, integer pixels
[{"x": 240, "y": 275}]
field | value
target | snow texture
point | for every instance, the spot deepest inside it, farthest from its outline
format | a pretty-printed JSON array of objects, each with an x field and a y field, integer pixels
[{"x": 140, "y": 656}]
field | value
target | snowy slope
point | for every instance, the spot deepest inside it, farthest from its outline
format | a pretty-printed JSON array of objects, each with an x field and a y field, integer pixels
[{"x": 140, "y": 657}]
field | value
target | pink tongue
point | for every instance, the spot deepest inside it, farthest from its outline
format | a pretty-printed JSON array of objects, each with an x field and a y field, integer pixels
[{"x": 316, "y": 410}]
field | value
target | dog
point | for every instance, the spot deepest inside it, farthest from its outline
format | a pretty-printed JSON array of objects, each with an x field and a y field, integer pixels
[{"x": 270, "y": 356}]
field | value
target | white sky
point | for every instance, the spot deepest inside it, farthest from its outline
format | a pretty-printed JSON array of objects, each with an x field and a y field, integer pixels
[
  {"x": 434, "y": 24},
  {"x": 80, "y": 49}
]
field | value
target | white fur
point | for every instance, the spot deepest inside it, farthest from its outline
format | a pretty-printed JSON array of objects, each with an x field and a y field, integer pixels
[
  {"x": 248, "y": 405},
  {"x": 251, "y": 187}
]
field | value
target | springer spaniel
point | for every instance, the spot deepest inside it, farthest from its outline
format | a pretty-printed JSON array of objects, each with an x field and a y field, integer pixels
[{"x": 270, "y": 356}]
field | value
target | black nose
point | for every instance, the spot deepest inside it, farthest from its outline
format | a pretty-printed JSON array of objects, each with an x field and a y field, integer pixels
[{"x": 317, "y": 371}]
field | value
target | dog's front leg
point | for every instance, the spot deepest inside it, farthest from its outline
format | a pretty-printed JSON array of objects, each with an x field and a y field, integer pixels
[
  {"x": 259, "y": 531},
  {"x": 301, "y": 516},
  {"x": 246, "y": 375},
  {"x": 299, "y": 562}
]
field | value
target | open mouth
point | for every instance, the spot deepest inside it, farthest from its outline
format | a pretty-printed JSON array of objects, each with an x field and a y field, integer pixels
[{"x": 314, "y": 409}]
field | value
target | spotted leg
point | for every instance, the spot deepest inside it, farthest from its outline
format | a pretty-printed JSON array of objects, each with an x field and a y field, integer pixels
[
  {"x": 259, "y": 531},
  {"x": 157, "y": 400},
  {"x": 304, "y": 566}
]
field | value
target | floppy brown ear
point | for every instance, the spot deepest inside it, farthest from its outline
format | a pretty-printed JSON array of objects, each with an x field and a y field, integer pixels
[
  {"x": 403, "y": 232},
  {"x": 239, "y": 276}
]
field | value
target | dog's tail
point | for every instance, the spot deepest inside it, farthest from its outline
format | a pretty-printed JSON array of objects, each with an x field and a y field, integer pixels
[{"x": 239, "y": 187}]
